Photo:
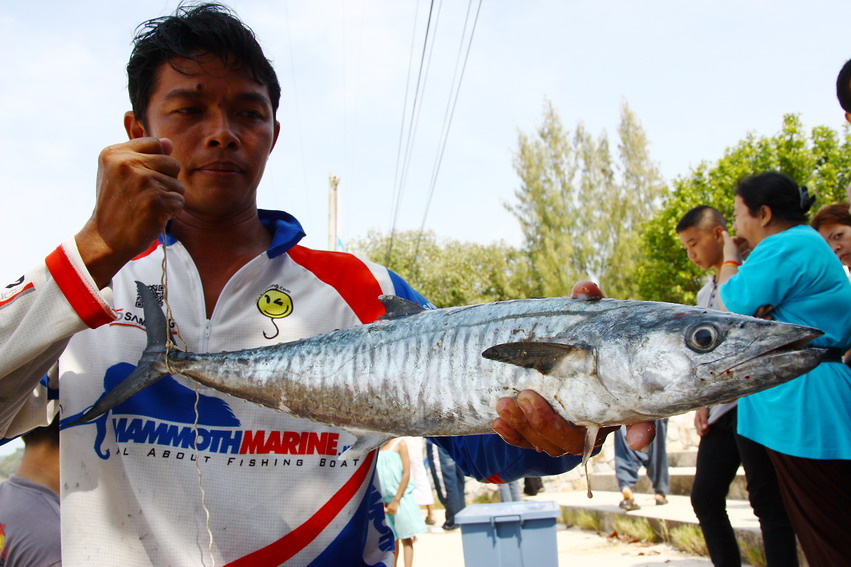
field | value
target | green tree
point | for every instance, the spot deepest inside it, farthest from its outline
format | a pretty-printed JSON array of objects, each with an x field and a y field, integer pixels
[
  {"x": 10, "y": 463},
  {"x": 820, "y": 160},
  {"x": 579, "y": 210},
  {"x": 449, "y": 272}
]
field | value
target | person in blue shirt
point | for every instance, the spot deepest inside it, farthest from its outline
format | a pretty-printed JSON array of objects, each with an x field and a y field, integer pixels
[{"x": 792, "y": 275}]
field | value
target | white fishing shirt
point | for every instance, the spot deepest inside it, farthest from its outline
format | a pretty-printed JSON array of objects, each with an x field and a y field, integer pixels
[{"x": 135, "y": 490}]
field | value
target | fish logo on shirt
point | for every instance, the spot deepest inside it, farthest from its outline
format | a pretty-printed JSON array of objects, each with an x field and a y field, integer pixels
[{"x": 169, "y": 401}]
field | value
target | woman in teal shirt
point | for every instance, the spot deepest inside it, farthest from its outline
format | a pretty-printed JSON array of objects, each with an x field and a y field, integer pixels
[{"x": 806, "y": 423}]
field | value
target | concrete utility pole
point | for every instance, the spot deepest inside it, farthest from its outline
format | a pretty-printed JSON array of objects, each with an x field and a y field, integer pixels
[{"x": 333, "y": 219}]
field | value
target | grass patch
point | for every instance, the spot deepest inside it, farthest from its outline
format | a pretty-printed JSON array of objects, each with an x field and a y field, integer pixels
[
  {"x": 583, "y": 520},
  {"x": 752, "y": 554},
  {"x": 637, "y": 529},
  {"x": 689, "y": 538},
  {"x": 487, "y": 497}
]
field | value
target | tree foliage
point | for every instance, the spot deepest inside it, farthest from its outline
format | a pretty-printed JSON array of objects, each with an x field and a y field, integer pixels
[
  {"x": 9, "y": 464},
  {"x": 449, "y": 272},
  {"x": 579, "y": 209},
  {"x": 821, "y": 160}
]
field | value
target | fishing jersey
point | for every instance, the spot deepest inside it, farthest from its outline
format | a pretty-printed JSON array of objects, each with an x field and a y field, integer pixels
[{"x": 180, "y": 474}]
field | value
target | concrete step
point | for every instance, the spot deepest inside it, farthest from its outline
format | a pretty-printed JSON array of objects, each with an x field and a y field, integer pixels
[
  {"x": 686, "y": 458},
  {"x": 602, "y": 512},
  {"x": 682, "y": 479}
]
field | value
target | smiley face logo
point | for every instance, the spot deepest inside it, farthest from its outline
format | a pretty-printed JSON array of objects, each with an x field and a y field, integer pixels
[{"x": 274, "y": 304}]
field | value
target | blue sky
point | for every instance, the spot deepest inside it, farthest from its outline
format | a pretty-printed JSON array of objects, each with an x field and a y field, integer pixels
[{"x": 699, "y": 75}]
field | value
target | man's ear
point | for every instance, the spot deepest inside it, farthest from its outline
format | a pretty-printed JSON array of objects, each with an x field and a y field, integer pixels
[
  {"x": 765, "y": 215},
  {"x": 134, "y": 128},
  {"x": 718, "y": 233},
  {"x": 848, "y": 117},
  {"x": 275, "y": 138}
]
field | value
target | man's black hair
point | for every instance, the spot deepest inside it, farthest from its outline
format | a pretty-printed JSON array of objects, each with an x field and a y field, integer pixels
[
  {"x": 192, "y": 32},
  {"x": 843, "y": 86},
  {"x": 779, "y": 192},
  {"x": 698, "y": 215},
  {"x": 46, "y": 434}
]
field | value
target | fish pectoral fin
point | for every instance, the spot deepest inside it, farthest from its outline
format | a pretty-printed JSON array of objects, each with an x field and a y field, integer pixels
[
  {"x": 396, "y": 307},
  {"x": 542, "y": 356},
  {"x": 365, "y": 442}
]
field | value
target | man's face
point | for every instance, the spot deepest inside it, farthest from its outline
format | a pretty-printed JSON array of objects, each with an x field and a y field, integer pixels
[
  {"x": 705, "y": 247},
  {"x": 221, "y": 123},
  {"x": 839, "y": 238}
]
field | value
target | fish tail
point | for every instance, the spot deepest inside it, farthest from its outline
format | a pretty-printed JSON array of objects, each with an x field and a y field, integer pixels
[{"x": 147, "y": 370}]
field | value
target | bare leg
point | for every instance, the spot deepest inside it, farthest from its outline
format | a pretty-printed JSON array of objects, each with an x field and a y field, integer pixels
[{"x": 408, "y": 544}]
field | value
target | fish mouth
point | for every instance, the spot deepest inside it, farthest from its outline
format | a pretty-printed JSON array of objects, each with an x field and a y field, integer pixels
[{"x": 796, "y": 346}]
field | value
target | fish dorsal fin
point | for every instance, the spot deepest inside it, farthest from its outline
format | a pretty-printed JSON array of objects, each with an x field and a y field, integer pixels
[
  {"x": 542, "y": 356},
  {"x": 397, "y": 307},
  {"x": 365, "y": 442}
]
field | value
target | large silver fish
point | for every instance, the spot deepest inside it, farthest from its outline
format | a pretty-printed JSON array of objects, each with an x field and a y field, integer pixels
[{"x": 440, "y": 372}]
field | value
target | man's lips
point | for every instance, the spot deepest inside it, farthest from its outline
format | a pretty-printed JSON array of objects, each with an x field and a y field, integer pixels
[{"x": 220, "y": 168}]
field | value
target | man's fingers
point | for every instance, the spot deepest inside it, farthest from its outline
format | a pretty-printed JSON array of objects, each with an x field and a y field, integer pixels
[
  {"x": 640, "y": 435},
  {"x": 529, "y": 421},
  {"x": 585, "y": 289},
  {"x": 149, "y": 145},
  {"x": 167, "y": 146},
  {"x": 501, "y": 427},
  {"x": 517, "y": 419},
  {"x": 162, "y": 163}
]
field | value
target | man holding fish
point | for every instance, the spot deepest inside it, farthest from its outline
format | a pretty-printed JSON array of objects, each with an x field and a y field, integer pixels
[{"x": 181, "y": 474}]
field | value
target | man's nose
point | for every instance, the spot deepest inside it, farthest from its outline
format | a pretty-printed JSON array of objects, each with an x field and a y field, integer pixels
[{"x": 222, "y": 132}]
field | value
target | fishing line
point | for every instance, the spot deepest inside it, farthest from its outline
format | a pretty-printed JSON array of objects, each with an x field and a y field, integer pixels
[{"x": 169, "y": 345}]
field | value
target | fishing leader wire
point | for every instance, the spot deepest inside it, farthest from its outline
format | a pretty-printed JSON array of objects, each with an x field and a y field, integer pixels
[{"x": 169, "y": 345}]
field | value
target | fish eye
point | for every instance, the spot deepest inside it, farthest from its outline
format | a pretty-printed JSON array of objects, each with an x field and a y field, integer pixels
[{"x": 702, "y": 337}]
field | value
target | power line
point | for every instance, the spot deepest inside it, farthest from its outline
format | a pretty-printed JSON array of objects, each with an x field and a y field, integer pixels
[
  {"x": 399, "y": 185},
  {"x": 447, "y": 119}
]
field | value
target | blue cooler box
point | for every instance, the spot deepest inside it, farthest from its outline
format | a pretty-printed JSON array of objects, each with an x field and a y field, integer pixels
[{"x": 509, "y": 534}]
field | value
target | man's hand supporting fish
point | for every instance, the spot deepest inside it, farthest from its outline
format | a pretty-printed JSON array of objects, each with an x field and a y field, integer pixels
[{"x": 530, "y": 422}]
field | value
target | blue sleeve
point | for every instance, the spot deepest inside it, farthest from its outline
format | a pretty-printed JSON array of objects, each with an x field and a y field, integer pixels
[
  {"x": 488, "y": 458},
  {"x": 405, "y": 291}
]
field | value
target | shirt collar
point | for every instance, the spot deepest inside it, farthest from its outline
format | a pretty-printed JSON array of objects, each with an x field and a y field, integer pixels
[{"x": 285, "y": 228}]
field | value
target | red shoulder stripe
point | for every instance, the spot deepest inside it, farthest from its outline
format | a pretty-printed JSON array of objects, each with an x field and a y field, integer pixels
[
  {"x": 281, "y": 551},
  {"x": 86, "y": 302},
  {"x": 151, "y": 248},
  {"x": 348, "y": 275}
]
